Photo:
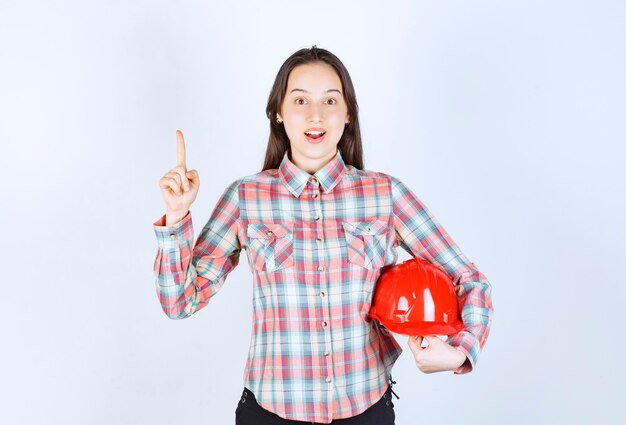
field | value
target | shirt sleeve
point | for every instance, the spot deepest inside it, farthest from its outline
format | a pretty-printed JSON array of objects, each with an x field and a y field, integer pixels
[
  {"x": 421, "y": 235},
  {"x": 187, "y": 277}
]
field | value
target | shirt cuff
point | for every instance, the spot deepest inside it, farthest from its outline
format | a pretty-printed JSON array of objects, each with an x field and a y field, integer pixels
[
  {"x": 175, "y": 233},
  {"x": 466, "y": 343}
]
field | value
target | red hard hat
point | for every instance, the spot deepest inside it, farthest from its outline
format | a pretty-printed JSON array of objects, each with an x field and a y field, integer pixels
[{"x": 416, "y": 298}]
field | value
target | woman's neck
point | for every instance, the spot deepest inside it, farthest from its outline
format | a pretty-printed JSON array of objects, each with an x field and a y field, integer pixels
[{"x": 311, "y": 165}]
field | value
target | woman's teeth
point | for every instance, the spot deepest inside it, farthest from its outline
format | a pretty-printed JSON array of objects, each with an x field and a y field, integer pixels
[{"x": 314, "y": 134}]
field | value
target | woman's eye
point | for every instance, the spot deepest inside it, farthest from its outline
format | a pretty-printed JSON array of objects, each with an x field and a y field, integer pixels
[
  {"x": 300, "y": 101},
  {"x": 331, "y": 101}
]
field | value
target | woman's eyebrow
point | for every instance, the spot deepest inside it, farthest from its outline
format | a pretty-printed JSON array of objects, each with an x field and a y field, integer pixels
[{"x": 305, "y": 91}]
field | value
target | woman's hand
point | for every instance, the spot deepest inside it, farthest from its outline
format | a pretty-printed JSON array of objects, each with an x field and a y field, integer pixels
[
  {"x": 437, "y": 357},
  {"x": 179, "y": 187}
]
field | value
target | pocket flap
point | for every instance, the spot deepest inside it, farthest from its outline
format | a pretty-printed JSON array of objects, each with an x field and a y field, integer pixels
[
  {"x": 372, "y": 227},
  {"x": 268, "y": 230}
]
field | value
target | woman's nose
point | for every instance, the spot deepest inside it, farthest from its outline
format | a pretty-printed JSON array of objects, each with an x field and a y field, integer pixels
[{"x": 315, "y": 113}]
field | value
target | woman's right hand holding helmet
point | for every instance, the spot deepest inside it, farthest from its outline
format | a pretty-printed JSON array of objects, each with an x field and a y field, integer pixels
[{"x": 179, "y": 187}]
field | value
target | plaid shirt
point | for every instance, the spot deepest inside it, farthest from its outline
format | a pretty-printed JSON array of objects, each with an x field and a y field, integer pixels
[{"x": 315, "y": 246}]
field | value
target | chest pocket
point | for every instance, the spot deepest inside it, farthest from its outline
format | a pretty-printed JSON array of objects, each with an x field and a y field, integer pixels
[
  {"x": 270, "y": 246},
  {"x": 367, "y": 242}
]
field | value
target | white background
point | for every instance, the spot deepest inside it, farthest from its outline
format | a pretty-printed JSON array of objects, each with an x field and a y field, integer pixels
[{"x": 506, "y": 118}]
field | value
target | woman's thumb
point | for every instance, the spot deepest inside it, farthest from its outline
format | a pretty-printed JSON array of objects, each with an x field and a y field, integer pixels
[
  {"x": 415, "y": 343},
  {"x": 192, "y": 175}
]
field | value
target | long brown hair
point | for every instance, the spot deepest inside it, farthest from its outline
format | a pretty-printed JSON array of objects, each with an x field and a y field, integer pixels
[{"x": 350, "y": 143}]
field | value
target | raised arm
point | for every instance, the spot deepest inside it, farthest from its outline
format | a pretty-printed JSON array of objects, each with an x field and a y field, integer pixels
[{"x": 188, "y": 275}]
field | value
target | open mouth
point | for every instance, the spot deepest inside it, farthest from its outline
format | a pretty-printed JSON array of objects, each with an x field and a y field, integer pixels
[{"x": 315, "y": 136}]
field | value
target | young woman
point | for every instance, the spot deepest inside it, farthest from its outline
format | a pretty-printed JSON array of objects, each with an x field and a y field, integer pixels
[{"x": 317, "y": 228}]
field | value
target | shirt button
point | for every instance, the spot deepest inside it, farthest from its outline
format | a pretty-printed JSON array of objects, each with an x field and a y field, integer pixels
[
  {"x": 317, "y": 218},
  {"x": 319, "y": 240},
  {"x": 314, "y": 195},
  {"x": 326, "y": 353},
  {"x": 270, "y": 233},
  {"x": 323, "y": 293},
  {"x": 172, "y": 235},
  {"x": 329, "y": 379},
  {"x": 324, "y": 324},
  {"x": 314, "y": 180},
  {"x": 320, "y": 268}
]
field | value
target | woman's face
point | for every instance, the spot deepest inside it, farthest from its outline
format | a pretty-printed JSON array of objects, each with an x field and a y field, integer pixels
[{"x": 314, "y": 114}]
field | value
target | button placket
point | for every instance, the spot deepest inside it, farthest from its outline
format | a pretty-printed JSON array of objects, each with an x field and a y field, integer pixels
[
  {"x": 323, "y": 294},
  {"x": 317, "y": 217}
]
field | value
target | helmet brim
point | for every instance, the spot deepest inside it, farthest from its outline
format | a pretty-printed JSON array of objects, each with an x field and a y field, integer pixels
[{"x": 423, "y": 328}]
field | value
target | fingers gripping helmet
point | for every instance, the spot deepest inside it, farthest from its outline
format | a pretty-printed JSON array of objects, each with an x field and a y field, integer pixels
[{"x": 416, "y": 298}]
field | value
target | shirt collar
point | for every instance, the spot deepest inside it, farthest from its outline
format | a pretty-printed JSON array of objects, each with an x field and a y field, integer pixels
[{"x": 295, "y": 178}]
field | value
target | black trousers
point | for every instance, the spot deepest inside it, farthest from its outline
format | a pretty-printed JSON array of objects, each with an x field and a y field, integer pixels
[{"x": 249, "y": 412}]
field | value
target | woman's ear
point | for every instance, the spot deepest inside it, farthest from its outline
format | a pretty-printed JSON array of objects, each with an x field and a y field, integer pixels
[{"x": 278, "y": 119}]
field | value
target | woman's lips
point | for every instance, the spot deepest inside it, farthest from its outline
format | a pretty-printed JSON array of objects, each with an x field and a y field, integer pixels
[
  {"x": 315, "y": 135},
  {"x": 315, "y": 140}
]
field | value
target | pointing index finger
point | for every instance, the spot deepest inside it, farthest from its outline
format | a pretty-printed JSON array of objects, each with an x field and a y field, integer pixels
[{"x": 180, "y": 141}]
